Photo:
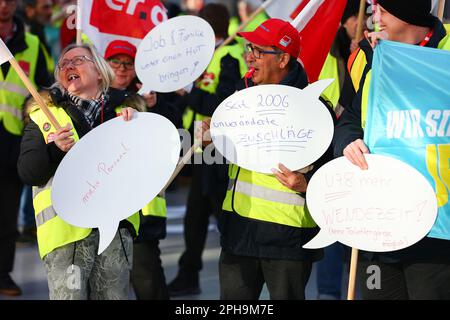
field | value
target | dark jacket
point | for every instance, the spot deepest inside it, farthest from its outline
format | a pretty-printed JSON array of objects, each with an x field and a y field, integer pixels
[
  {"x": 254, "y": 238},
  {"x": 349, "y": 129},
  {"x": 10, "y": 144}
]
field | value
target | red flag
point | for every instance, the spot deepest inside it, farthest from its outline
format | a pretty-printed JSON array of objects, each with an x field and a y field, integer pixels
[
  {"x": 317, "y": 22},
  {"x": 104, "y": 20},
  {"x": 130, "y": 19}
]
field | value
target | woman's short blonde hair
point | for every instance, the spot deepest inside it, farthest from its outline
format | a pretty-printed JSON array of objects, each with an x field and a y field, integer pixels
[{"x": 106, "y": 73}]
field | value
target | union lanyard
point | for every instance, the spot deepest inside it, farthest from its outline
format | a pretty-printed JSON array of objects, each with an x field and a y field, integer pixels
[{"x": 427, "y": 39}]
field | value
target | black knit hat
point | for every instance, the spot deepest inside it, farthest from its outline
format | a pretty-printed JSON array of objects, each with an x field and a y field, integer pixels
[
  {"x": 416, "y": 12},
  {"x": 351, "y": 9}
]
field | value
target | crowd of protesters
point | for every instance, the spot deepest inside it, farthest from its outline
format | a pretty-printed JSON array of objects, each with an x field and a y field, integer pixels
[{"x": 261, "y": 243}]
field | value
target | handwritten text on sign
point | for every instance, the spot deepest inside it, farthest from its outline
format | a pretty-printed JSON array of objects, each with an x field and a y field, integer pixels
[
  {"x": 175, "y": 53},
  {"x": 389, "y": 207},
  {"x": 259, "y": 127},
  {"x": 114, "y": 171}
]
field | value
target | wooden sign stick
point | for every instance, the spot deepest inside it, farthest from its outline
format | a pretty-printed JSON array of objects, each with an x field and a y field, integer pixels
[{"x": 352, "y": 275}]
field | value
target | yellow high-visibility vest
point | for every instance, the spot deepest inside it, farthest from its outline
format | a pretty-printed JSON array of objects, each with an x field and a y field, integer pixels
[
  {"x": 258, "y": 196},
  {"x": 12, "y": 90},
  {"x": 52, "y": 231}
]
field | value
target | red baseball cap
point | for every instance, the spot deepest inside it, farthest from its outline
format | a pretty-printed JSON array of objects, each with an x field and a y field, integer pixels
[
  {"x": 120, "y": 47},
  {"x": 278, "y": 33}
]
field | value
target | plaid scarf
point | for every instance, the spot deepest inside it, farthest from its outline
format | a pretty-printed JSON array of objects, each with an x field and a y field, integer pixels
[{"x": 90, "y": 108}]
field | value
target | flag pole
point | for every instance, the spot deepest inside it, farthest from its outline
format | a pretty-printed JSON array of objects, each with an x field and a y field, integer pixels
[
  {"x": 441, "y": 10},
  {"x": 352, "y": 275},
  {"x": 361, "y": 15},
  {"x": 303, "y": 17},
  {"x": 79, "y": 10},
  {"x": 6, "y": 56},
  {"x": 246, "y": 23},
  {"x": 181, "y": 164}
]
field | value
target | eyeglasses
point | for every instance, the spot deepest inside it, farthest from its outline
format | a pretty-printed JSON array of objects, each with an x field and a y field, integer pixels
[
  {"x": 258, "y": 52},
  {"x": 75, "y": 61},
  {"x": 115, "y": 64}
]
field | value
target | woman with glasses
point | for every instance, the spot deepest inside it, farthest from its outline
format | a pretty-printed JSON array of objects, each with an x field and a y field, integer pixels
[{"x": 81, "y": 99}]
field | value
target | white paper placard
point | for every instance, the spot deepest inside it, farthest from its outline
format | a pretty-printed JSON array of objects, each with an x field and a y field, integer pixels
[
  {"x": 388, "y": 207},
  {"x": 174, "y": 53},
  {"x": 262, "y": 126},
  {"x": 114, "y": 171},
  {"x": 5, "y": 54}
]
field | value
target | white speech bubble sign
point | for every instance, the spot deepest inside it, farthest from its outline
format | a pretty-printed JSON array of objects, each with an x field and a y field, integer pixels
[
  {"x": 5, "y": 54},
  {"x": 174, "y": 53},
  {"x": 114, "y": 171},
  {"x": 262, "y": 126},
  {"x": 388, "y": 207}
]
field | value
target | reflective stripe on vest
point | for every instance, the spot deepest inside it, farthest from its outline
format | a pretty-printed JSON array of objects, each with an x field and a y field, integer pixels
[
  {"x": 11, "y": 87},
  {"x": 262, "y": 197},
  {"x": 211, "y": 78},
  {"x": 157, "y": 207},
  {"x": 42, "y": 199},
  {"x": 12, "y": 90},
  {"x": 266, "y": 193},
  {"x": 11, "y": 110},
  {"x": 52, "y": 231}
]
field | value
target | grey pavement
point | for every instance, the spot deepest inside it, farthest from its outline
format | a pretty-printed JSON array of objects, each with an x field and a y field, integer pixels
[{"x": 29, "y": 271}]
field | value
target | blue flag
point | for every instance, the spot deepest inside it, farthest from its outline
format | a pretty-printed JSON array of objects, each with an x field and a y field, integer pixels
[{"x": 408, "y": 116}]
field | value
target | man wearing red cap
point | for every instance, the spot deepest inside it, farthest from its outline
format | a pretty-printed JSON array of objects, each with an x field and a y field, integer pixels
[
  {"x": 421, "y": 271},
  {"x": 267, "y": 248}
]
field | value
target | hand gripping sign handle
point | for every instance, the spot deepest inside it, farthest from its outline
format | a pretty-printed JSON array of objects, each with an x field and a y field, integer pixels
[{"x": 5, "y": 55}]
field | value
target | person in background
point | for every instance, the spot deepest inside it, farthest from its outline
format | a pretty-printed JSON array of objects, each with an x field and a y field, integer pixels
[
  {"x": 421, "y": 271},
  {"x": 173, "y": 9},
  {"x": 192, "y": 7},
  {"x": 245, "y": 8},
  {"x": 27, "y": 50},
  {"x": 81, "y": 99},
  {"x": 38, "y": 14},
  {"x": 147, "y": 274}
]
